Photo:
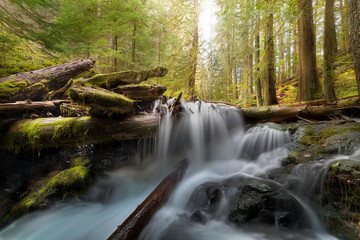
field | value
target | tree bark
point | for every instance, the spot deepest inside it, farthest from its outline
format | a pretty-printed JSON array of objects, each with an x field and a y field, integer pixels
[
  {"x": 330, "y": 49},
  {"x": 270, "y": 79},
  {"x": 354, "y": 11},
  {"x": 131, "y": 228},
  {"x": 35, "y": 85},
  {"x": 309, "y": 84}
]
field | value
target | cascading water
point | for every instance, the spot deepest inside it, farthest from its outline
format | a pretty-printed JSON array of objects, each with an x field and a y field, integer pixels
[{"x": 226, "y": 194}]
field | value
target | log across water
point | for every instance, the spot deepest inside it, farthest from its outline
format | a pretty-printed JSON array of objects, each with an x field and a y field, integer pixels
[
  {"x": 133, "y": 225},
  {"x": 42, "y": 133}
]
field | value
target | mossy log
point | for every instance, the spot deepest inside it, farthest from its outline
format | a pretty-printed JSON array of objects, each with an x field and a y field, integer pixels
[
  {"x": 36, "y": 85},
  {"x": 25, "y": 106},
  {"x": 134, "y": 224},
  {"x": 40, "y": 133},
  {"x": 141, "y": 92},
  {"x": 101, "y": 101},
  {"x": 112, "y": 80},
  {"x": 284, "y": 113}
]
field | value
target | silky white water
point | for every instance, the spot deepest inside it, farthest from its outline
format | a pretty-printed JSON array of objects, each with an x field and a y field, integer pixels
[{"x": 219, "y": 147}]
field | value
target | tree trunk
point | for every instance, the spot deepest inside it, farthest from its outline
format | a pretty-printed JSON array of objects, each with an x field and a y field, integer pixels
[
  {"x": 115, "y": 79},
  {"x": 131, "y": 228},
  {"x": 44, "y": 133},
  {"x": 344, "y": 8},
  {"x": 282, "y": 73},
  {"x": 289, "y": 113},
  {"x": 354, "y": 10},
  {"x": 270, "y": 79},
  {"x": 309, "y": 85},
  {"x": 141, "y": 92},
  {"x": 194, "y": 52},
  {"x": 35, "y": 85},
  {"x": 25, "y": 106},
  {"x": 330, "y": 49},
  {"x": 101, "y": 101},
  {"x": 259, "y": 99},
  {"x": 133, "y": 47}
]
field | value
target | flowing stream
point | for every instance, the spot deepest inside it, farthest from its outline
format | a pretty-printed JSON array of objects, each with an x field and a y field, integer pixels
[{"x": 227, "y": 158}]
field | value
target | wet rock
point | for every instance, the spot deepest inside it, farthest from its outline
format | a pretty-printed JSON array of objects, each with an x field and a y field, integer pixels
[{"x": 199, "y": 217}]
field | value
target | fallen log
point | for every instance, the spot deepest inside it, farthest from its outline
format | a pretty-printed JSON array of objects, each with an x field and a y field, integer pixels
[
  {"x": 284, "y": 113},
  {"x": 101, "y": 101},
  {"x": 133, "y": 225},
  {"x": 25, "y": 106},
  {"x": 141, "y": 92},
  {"x": 40, "y": 133},
  {"x": 112, "y": 80},
  {"x": 35, "y": 85}
]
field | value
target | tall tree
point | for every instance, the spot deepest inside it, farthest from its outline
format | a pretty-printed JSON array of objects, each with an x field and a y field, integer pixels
[
  {"x": 194, "y": 52},
  {"x": 259, "y": 99},
  {"x": 354, "y": 11},
  {"x": 345, "y": 37},
  {"x": 330, "y": 48},
  {"x": 309, "y": 84},
  {"x": 270, "y": 78}
]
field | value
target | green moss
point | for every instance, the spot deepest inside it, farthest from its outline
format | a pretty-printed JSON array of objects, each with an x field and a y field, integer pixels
[
  {"x": 101, "y": 100},
  {"x": 309, "y": 130},
  {"x": 80, "y": 161},
  {"x": 66, "y": 183},
  {"x": 11, "y": 87},
  {"x": 45, "y": 132}
]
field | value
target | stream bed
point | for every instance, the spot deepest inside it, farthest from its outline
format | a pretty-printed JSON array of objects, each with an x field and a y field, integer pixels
[{"x": 238, "y": 186}]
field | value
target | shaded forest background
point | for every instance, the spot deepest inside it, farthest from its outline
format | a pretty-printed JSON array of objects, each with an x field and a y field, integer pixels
[{"x": 260, "y": 52}]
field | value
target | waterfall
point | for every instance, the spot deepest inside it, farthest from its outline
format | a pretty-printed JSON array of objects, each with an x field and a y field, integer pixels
[{"x": 230, "y": 172}]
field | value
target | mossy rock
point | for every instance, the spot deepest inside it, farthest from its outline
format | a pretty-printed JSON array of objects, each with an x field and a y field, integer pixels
[{"x": 70, "y": 182}]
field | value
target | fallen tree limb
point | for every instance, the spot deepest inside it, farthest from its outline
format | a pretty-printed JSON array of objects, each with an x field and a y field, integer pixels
[
  {"x": 284, "y": 113},
  {"x": 101, "y": 101},
  {"x": 40, "y": 133},
  {"x": 35, "y": 85},
  {"x": 112, "y": 80},
  {"x": 141, "y": 92},
  {"x": 133, "y": 225},
  {"x": 25, "y": 106}
]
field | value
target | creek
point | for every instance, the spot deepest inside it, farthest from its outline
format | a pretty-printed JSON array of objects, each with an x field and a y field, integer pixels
[{"x": 228, "y": 192}]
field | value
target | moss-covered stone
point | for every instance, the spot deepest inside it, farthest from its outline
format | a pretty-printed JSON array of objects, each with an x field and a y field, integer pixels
[
  {"x": 70, "y": 182},
  {"x": 11, "y": 87}
]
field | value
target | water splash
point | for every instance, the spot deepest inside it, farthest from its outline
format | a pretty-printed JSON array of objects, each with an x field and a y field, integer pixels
[{"x": 222, "y": 151}]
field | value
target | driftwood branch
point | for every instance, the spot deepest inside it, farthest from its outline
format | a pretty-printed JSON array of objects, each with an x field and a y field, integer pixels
[{"x": 133, "y": 225}]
